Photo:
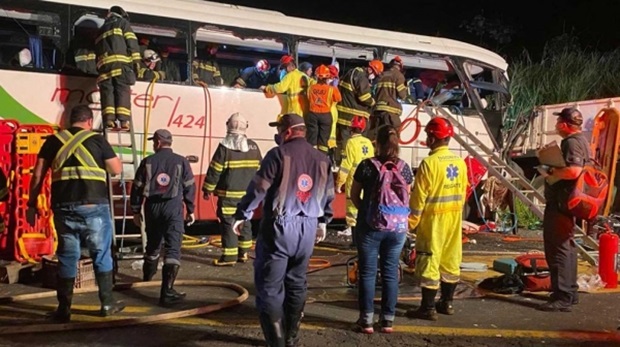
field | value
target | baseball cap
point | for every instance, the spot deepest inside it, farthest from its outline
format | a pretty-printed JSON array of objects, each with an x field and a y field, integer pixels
[
  {"x": 288, "y": 121},
  {"x": 161, "y": 134},
  {"x": 570, "y": 115}
]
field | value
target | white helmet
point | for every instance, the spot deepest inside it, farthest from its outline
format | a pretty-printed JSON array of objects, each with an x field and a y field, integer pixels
[{"x": 236, "y": 124}]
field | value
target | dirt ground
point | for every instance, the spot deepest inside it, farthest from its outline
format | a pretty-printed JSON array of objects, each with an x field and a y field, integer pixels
[{"x": 331, "y": 309}]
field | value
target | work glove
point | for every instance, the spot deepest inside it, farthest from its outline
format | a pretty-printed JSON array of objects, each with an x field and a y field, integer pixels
[
  {"x": 206, "y": 195},
  {"x": 238, "y": 226},
  {"x": 190, "y": 219},
  {"x": 321, "y": 232}
]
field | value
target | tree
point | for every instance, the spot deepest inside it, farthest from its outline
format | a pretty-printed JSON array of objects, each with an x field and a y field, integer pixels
[{"x": 490, "y": 32}]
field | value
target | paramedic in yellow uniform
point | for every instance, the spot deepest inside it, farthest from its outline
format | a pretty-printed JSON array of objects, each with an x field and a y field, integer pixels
[
  {"x": 357, "y": 149},
  {"x": 295, "y": 87},
  {"x": 437, "y": 211}
]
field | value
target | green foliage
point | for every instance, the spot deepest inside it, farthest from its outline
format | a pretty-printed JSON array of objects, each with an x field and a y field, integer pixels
[
  {"x": 525, "y": 217},
  {"x": 565, "y": 73}
]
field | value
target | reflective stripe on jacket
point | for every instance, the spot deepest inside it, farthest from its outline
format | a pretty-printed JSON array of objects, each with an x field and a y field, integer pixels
[{"x": 73, "y": 146}]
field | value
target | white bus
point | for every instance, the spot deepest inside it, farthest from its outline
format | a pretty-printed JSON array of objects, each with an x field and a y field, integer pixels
[{"x": 43, "y": 91}]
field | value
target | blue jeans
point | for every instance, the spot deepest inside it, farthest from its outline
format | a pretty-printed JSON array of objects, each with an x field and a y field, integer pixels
[
  {"x": 91, "y": 224},
  {"x": 387, "y": 246}
]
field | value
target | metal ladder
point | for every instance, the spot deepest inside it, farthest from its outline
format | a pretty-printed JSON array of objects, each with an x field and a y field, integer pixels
[
  {"x": 120, "y": 142},
  {"x": 517, "y": 184}
]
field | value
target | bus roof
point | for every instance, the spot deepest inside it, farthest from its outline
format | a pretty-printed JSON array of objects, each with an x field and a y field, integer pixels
[{"x": 272, "y": 21}]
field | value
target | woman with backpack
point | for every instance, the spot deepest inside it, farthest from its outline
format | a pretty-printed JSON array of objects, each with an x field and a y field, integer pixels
[{"x": 384, "y": 181}]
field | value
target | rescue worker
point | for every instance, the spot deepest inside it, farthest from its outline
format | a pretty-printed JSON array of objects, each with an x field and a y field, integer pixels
[
  {"x": 390, "y": 88},
  {"x": 254, "y": 77},
  {"x": 294, "y": 85},
  {"x": 79, "y": 159},
  {"x": 164, "y": 182},
  {"x": 233, "y": 165},
  {"x": 558, "y": 223},
  {"x": 321, "y": 98},
  {"x": 437, "y": 212},
  {"x": 357, "y": 100},
  {"x": 358, "y": 148},
  {"x": 332, "y": 144},
  {"x": 149, "y": 68},
  {"x": 83, "y": 57},
  {"x": 296, "y": 188},
  {"x": 117, "y": 56},
  {"x": 207, "y": 71},
  {"x": 169, "y": 67}
]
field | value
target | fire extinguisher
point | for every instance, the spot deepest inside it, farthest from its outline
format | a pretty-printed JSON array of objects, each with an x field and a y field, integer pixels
[{"x": 607, "y": 259}]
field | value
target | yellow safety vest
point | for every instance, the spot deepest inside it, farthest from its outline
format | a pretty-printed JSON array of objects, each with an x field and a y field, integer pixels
[{"x": 73, "y": 145}]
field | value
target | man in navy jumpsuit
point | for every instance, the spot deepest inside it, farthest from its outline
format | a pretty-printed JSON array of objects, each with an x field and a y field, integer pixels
[
  {"x": 164, "y": 182},
  {"x": 296, "y": 187}
]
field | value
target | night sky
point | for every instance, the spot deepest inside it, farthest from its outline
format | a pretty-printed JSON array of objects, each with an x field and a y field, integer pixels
[{"x": 594, "y": 22}]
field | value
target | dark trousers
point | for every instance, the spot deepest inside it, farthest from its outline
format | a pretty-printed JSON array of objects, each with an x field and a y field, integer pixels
[
  {"x": 283, "y": 251},
  {"x": 343, "y": 134},
  {"x": 379, "y": 119},
  {"x": 164, "y": 223},
  {"x": 319, "y": 126},
  {"x": 116, "y": 97},
  {"x": 561, "y": 253},
  {"x": 233, "y": 246}
]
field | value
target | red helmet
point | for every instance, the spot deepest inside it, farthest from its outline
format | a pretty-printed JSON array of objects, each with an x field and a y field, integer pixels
[
  {"x": 440, "y": 128},
  {"x": 358, "y": 122},
  {"x": 397, "y": 61},
  {"x": 333, "y": 70},
  {"x": 263, "y": 65},
  {"x": 322, "y": 72},
  {"x": 376, "y": 66},
  {"x": 286, "y": 59}
]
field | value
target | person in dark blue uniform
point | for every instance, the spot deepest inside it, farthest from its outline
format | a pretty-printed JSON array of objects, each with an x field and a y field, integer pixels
[
  {"x": 296, "y": 187},
  {"x": 164, "y": 182}
]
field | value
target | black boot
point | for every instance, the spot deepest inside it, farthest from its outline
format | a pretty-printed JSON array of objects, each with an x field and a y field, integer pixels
[
  {"x": 149, "y": 269},
  {"x": 168, "y": 295},
  {"x": 292, "y": 323},
  {"x": 64, "y": 294},
  {"x": 444, "y": 305},
  {"x": 105, "y": 281},
  {"x": 427, "y": 306},
  {"x": 273, "y": 331}
]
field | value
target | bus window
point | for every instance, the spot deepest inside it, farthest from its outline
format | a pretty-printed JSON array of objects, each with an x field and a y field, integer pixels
[
  {"x": 235, "y": 52},
  {"x": 29, "y": 39},
  {"x": 347, "y": 56},
  {"x": 426, "y": 75}
]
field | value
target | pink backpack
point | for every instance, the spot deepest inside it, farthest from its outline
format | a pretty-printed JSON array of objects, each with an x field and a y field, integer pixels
[{"x": 389, "y": 201}]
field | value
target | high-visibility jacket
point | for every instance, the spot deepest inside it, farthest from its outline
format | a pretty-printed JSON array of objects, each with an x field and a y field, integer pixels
[
  {"x": 321, "y": 97},
  {"x": 73, "y": 146},
  {"x": 116, "y": 48},
  {"x": 295, "y": 86},
  {"x": 357, "y": 99},
  {"x": 207, "y": 71},
  {"x": 390, "y": 88},
  {"x": 85, "y": 60},
  {"x": 437, "y": 211},
  {"x": 147, "y": 74},
  {"x": 357, "y": 149},
  {"x": 229, "y": 174}
]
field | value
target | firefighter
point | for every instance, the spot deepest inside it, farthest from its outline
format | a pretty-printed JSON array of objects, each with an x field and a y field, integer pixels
[
  {"x": 233, "y": 165},
  {"x": 321, "y": 97},
  {"x": 169, "y": 67},
  {"x": 206, "y": 72},
  {"x": 332, "y": 144},
  {"x": 358, "y": 148},
  {"x": 357, "y": 100},
  {"x": 164, "y": 183},
  {"x": 117, "y": 56},
  {"x": 254, "y": 76},
  {"x": 437, "y": 212},
  {"x": 390, "y": 88},
  {"x": 83, "y": 57},
  {"x": 294, "y": 84},
  {"x": 149, "y": 68},
  {"x": 296, "y": 188},
  {"x": 79, "y": 159},
  {"x": 558, "y": 223}
]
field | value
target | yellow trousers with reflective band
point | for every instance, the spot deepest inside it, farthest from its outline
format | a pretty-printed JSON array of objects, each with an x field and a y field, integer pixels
[
  {"x": 438, "y": 249},
  {"x": 332, "y": 136}
]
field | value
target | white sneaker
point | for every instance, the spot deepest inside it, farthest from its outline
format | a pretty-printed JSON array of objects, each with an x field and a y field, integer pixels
[{"x": 345, "y": 232}]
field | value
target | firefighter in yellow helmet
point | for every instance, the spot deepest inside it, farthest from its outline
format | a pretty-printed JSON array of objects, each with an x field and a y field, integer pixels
[
  {"x": 437, "y": 212},
  {"x": 358, "y": 148}
]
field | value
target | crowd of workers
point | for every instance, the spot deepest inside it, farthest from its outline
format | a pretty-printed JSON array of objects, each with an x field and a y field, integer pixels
[{"x": 296, "y": 187}]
